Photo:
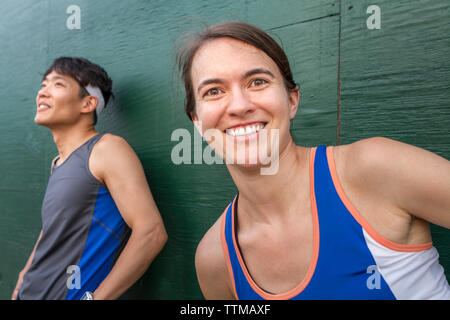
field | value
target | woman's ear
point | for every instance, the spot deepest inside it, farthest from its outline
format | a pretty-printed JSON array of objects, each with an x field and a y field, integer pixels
[
  {"x": 197, "y": 123},
  {"x": 294, "y": 99}
]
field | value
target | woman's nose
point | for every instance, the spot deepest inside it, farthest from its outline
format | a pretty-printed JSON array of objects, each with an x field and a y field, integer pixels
[{"x": 240, "y": 103}]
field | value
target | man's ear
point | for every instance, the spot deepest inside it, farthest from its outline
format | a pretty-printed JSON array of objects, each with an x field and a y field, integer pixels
[
  {"x": 294, "y": 99},
  {"x": 89, "y": 104}
]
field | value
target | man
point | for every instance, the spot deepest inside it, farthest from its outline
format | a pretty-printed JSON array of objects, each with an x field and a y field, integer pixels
[{"x": 100, "y": 225}]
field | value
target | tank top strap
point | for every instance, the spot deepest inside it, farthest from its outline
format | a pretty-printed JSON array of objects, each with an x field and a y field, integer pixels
[{"x": 89, "y": 145}]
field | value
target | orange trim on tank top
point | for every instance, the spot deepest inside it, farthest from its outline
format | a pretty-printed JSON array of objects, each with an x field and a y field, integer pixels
[
  {"x": 312, "y": 266},
  {"x": 364, "y": 224},
  {"x": 225, "y": 249}
]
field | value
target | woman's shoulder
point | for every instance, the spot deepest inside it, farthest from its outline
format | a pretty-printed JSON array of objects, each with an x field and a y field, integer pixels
[
  {"x": 211, "y": 241},
  {"x": 366, "y": 155},
  {"x": 211, "y": 265}
]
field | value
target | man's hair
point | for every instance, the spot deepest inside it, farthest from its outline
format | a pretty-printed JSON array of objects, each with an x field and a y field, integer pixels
[
  {"x": 239, "y": 31},
  {"x": 85, "y": 73}
]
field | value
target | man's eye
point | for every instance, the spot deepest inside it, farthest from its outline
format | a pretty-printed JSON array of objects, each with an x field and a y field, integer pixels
[{"x": 59, "y": 84}]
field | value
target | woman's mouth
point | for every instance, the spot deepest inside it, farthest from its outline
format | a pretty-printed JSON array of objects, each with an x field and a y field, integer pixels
[{"x": 245, "y": 130}]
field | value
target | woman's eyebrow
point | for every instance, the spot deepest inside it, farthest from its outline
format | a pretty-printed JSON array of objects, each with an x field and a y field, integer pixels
[
  {"x": 209, "y": 81},
  {"x": 246, "y": 75},
  {"x": 257, "y": 71}
]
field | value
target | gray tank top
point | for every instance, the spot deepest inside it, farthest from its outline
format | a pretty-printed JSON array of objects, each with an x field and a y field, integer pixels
[{"x": 83, "y": 232}]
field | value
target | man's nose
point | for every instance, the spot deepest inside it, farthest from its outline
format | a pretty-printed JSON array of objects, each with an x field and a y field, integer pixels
[{"x": 43, "y": 92}]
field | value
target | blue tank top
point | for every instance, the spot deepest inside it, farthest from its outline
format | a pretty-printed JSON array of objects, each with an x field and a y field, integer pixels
[{"x": 350, "y": 260}]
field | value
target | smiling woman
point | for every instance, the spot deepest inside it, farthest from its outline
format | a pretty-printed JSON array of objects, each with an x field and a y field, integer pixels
[
  {"x": 258, "y": 72},
  {"x": 346, "y": 202},
  {"x": 240, "y": 98}
]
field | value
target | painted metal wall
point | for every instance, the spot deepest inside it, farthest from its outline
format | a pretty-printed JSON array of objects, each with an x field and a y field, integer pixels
[{"x": 355, "y": 83}]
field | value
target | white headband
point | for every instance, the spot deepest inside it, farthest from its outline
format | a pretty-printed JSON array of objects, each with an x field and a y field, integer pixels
[{"x": 96, "y": 92}]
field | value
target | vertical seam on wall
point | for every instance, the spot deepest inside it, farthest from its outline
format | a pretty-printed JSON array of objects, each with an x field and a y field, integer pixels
[{"x": 338, "y": 129}]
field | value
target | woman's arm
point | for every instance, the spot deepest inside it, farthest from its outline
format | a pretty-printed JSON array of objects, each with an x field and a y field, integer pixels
[{"x": 412, "y": 179}]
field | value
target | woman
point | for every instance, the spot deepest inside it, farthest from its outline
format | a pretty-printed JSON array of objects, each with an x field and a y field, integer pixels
[{"x": 344, "y": 222}]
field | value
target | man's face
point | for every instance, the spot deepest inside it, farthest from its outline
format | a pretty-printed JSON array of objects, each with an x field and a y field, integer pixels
[{"x": 58, "y": 101}]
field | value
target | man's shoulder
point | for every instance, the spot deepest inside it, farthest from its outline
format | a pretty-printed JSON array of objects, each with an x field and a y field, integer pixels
[
  {"x": 111, "y": 147},
  {"x": 109, "y": 140},
  {"x": 111, "y": 155}
]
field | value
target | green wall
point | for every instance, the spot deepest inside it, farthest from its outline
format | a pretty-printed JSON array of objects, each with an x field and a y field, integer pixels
[{"x": 355, "y": 83}]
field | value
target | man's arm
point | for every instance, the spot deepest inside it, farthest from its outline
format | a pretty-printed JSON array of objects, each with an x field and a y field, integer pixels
[
  {"x": 115, "y": 163},
  {"x": 25, "y": 269},
  {"x": 210, "y": 264}
]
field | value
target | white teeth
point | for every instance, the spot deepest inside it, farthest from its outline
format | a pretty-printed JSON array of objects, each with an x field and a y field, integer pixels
[
  {"x": 42, "y": 106},
  {"x": 241, "y": 131}
]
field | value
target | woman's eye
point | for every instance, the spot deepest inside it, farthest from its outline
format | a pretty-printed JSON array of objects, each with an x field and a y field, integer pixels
[
  {"x": 258, "y": 82},
  {"x": 59, "y": 84},
  {"x": 212, "y": 92}
]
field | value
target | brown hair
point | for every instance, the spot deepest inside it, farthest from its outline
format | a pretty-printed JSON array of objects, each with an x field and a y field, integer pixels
[{"x": 236, "y": 30}]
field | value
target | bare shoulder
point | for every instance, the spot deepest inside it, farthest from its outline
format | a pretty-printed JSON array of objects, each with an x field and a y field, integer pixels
[
  {"x": 111, "y": 148},
  {"x": 210, "y": 247},
  {"x": 369, "y": 151},
  {"x": 387, "y": 179},
  {"x": 211, "y": 266},
  {"x": 110, "y": 143},
  {"x": 382, "y": 155},
  {"x": 112, "y": 155},
  {"x": 365, "y": 164}
]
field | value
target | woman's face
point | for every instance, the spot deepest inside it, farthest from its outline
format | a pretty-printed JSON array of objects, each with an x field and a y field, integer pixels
[{"x": 242, "y": 104}]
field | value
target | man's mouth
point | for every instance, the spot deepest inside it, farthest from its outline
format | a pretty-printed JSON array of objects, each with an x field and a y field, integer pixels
[
  {"x": 42, "y": 107},
  {"x": 245, "y": 130}
]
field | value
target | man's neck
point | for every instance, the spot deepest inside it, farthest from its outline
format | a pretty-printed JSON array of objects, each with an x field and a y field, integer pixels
[{"x": 69, "y": 139}]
